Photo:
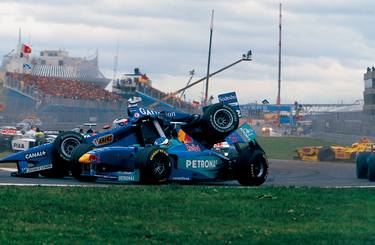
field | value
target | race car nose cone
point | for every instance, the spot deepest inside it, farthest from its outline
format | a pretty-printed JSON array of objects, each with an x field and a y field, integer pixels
[{"x": 88, "y": 158}]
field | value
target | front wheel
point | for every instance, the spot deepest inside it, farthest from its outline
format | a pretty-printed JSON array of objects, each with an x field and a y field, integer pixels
[
  {"x": 252, "y": 168},
  {"x": 154, "y": 164}
]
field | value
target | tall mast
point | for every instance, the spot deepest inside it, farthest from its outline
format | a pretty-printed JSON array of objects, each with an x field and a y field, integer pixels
[
  {"x": 115, "y": 65},
  {"x": 19, "y": 42},
  {"x": 19, "y": 50},
  {"x": 278, "y": 101},
  {"x": 209, "y": 59}
]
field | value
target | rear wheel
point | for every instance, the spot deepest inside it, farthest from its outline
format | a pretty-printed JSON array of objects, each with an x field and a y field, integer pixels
[
  {"x": 220, "y": 119},
  {"x": 252, "y": 168},
  {"x": 66, "y": 142},
  {"x": 154, "y": 164},
  {"x": 326, "y": 154},
  {"x": 361, "y": 165},
  {"x": 217, "y": 122}
]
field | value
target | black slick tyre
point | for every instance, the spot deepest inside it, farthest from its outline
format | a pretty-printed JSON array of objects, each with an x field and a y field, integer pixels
[
  {"x": 66, "y": 142},
  {"x": 361, "y": 165},
  {"x": 326, "y": 154},
  {"x": 252, "y": 168},
  {"x": 154, "y": 164},
  {"x": 63, "y": 146},
  {"x": 220, "y": 119},
  {"x": 371, "y": 167}
]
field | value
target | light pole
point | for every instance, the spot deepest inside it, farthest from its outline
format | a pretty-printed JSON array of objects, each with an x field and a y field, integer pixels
[{"x": 245, "y": 57}]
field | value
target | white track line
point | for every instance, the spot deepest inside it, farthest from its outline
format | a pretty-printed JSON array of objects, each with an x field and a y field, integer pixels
[{"x": 8, "y": 169}]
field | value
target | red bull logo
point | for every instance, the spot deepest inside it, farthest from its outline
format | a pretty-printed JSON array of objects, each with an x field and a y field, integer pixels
[
  {"x": 184, "y": 137},
  {"x": 193, "y": 148}
]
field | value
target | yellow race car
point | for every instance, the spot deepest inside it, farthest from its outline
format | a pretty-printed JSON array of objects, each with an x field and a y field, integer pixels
[{"x": 335, "y": 152}]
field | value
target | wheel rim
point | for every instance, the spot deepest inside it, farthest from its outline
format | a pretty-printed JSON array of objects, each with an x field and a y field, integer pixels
[
  {"x": 160, "y": 166},
  {"x": 68, "y": 145},
  {"x": 223, "y": 119},
  {"x": 257, "y": 168}
]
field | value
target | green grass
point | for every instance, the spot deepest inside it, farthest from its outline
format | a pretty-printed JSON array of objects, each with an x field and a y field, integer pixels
[
  {"x": 6, "y": 165},
  {"x": 175, "y": 214},
  {"x": 284, "y": 147}
]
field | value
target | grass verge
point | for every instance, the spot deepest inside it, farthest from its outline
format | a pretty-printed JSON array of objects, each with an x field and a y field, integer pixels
[
  {"x": 175, "y": 214},
  {"x": 7, "y": 165}
]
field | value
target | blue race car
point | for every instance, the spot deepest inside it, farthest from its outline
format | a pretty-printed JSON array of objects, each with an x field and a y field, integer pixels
[
  {"x": 153, "y": 147},
  {"x": 177, "y": 159}
]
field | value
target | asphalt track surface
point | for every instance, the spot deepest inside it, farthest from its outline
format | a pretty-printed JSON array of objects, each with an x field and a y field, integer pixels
[{"x": 282, "y": 173}]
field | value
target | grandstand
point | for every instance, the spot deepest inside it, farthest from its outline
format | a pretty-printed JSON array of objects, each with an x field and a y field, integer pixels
[
  {"x": 57, "y": 63},
  {"x": 65, "y": 92},
  {"x": 59, "y": 101},
  {"x": 138, "y": 84}
]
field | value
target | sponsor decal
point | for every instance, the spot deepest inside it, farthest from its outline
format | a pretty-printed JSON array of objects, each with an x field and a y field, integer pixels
[
  {"x": 201, "y": 163},
  {"x": 180, "y": 178},
  {"x": 157, "y": 152},
  {"x": 39, "y": 168},
  {"x": 231, "y": 99},
  {"x": 192, "y": 147},
  {"x": 184, "y": 137},
  {"x": 137, "y": 115},
  {"x": 106, "y": 139},
  {"x": 18, "y": 145},
  {"x": 171, "y": 114},
  {"x": 126, "y": 178},
  {"x": 35, "y": 155},
  {"x": 247, "y": 132},
  {"x": 233, "y": 137},
  {"x": 148, "y": 112},
  {"x": 9, "y": 131}
]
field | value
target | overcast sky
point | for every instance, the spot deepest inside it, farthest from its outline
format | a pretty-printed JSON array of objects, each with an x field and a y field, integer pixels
[{"x": 327, "y": 45}]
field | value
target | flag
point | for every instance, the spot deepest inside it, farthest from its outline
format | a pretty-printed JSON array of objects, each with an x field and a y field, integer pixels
[{"x": 26, "y": 49}]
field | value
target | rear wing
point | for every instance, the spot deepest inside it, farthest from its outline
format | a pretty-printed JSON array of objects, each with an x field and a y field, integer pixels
[{"x": 230, "y": 99}]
